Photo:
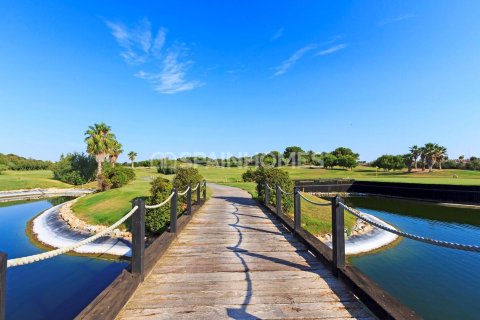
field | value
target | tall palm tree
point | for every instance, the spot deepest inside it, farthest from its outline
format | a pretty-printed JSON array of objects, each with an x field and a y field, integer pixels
[
  {"x": 440, "y": 154},
  {"x": 132, "y": 155},
  {"x": 415, "y": 152},
  {"x": 431, "y": 154},
  {"x": 115, "y": 151},
  {"x": 100, "y": 140}
]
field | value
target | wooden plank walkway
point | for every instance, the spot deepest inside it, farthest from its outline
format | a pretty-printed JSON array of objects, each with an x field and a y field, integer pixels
[{"x": 233, "y": 261}]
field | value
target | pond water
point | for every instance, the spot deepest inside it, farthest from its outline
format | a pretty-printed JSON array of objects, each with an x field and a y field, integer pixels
[
  {"x": 438, "y": 283},
  {"x": 57, "y": 288}
]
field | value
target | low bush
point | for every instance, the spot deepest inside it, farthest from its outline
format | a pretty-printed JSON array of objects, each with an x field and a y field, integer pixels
[
  {"x": 186, "y": 177},
  {"x": 3, "y": 168},
  {"x": 75, "y": 168},
  {"x": 157, "y": 220},
  {"x": 274, "y": 177},
  {"x": 118, "y": 176}
]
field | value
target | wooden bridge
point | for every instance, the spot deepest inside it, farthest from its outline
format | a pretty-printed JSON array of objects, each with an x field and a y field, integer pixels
[
  {"x": 234, "y": 261},
  {"x": 233, "y": 258}
]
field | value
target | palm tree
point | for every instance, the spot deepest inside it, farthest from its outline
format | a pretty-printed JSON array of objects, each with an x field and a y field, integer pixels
[
  {"x": 415, "y": 152},
  {"x": 132, "y": 155},
  {"x": 115, "y": 152},
  {"x": 100, "y": 140},
  {"x": 440, "y": 154},
  {"x": 431, "y": 154}
]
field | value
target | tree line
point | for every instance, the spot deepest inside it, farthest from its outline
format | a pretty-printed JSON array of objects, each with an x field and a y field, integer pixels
[
  {"x": 428, "y": 156},
  {"x": 13, "y": 162}
]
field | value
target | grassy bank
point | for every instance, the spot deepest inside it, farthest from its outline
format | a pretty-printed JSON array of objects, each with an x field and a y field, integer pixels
[
  {"x": 109, "y": 206},
  {"x": 15, "y": 180}
]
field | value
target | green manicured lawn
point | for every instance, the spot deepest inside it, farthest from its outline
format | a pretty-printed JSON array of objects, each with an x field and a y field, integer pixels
[
  {"x": 108, "y": 207},
  {"x": 14, "y": 180}
]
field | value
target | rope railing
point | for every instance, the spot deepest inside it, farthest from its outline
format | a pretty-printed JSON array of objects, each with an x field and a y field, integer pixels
[
  {"x": 155, "y": 206},
  {"x": 184, "y": 192},
  {"x": 268, "y": 186},
  {"x": 196, "y": 187},
  {"x": 440, "y": 243},
  {"x": 285, "y": 192},
  {"x": 53, "y": 253},
  {"x": 314, "y": 202}
]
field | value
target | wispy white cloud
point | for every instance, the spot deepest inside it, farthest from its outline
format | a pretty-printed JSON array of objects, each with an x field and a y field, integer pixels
[
  {"x": 400, "y": 18},
  {"x": 287, "y": 64},
  {"x": 172, "y": 77},
  {"x": 137, "y": 43},
  {"x": 278, "y": 34},
  {"x": 332, "y": 49},
  {"x": 140, "y": 47}
]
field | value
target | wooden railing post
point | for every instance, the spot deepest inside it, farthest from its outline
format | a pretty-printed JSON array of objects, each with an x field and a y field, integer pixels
[
  {"x": 297, "y": 207},
  {"x": 138, "y": 239},
  {"x": 267, "y": 194},
  {"x": 173, "y": 211},
  {"x": 189, "y": 199},
  {"x": 199, "y": 189},
  {"x": 338, "y": 235},
  {"x": 205, "y": 190},
  {"x": 3, "y": 284},
  {"x": 279, "y": 200}
]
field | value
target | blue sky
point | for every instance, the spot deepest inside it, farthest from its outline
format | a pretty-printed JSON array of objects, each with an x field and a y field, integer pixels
[{"x": 240, "y": 76}]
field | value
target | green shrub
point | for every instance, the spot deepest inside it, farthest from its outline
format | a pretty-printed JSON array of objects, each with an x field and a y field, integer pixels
[
  {"x": 75, "y": 168},
  {"x": 157, "y": 220},
  {"x": 185, "y": 177},
  {"x": 274, "y": 177},
  {"x": 118, "y": 176},
  {"x": 3, "y": 168}
]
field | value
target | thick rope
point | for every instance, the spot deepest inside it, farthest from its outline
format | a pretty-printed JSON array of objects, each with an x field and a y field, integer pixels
[
  {"x": 268, "y": 186},
  {"x": 184, "y": 192},
  {"x": 57, "y": 252},
  {"x": 314, "y": 202},
  {"x": 285, "y": 192},
  {"x": 439, "y": 243},
  {"x": 160, "y": 204},
  {"x": 195, "y": 189}
]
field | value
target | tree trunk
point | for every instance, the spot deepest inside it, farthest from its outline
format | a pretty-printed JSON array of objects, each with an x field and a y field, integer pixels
[
  {"x": 439, "y": 165},
  {"x": 132, "y": 164},
  {"x": 99, "y": 168},
  {"x": 415, "y": 163}
]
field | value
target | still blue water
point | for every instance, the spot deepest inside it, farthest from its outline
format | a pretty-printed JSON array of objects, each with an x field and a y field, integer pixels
[
  {"x": 438, "y": 283},
  {"x": 57, "y": 288}
]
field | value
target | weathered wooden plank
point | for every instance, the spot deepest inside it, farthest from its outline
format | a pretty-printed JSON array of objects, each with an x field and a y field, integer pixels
[{"x": 232, "y": 276}]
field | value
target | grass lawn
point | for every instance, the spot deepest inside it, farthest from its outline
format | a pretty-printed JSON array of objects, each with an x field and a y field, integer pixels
[
  {"x": 108, "y": 207},
  {"x": 14, "y": 180}
]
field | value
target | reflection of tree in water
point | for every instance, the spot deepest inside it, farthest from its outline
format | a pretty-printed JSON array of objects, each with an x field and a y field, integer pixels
[{"x": 59, "y": 200}]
